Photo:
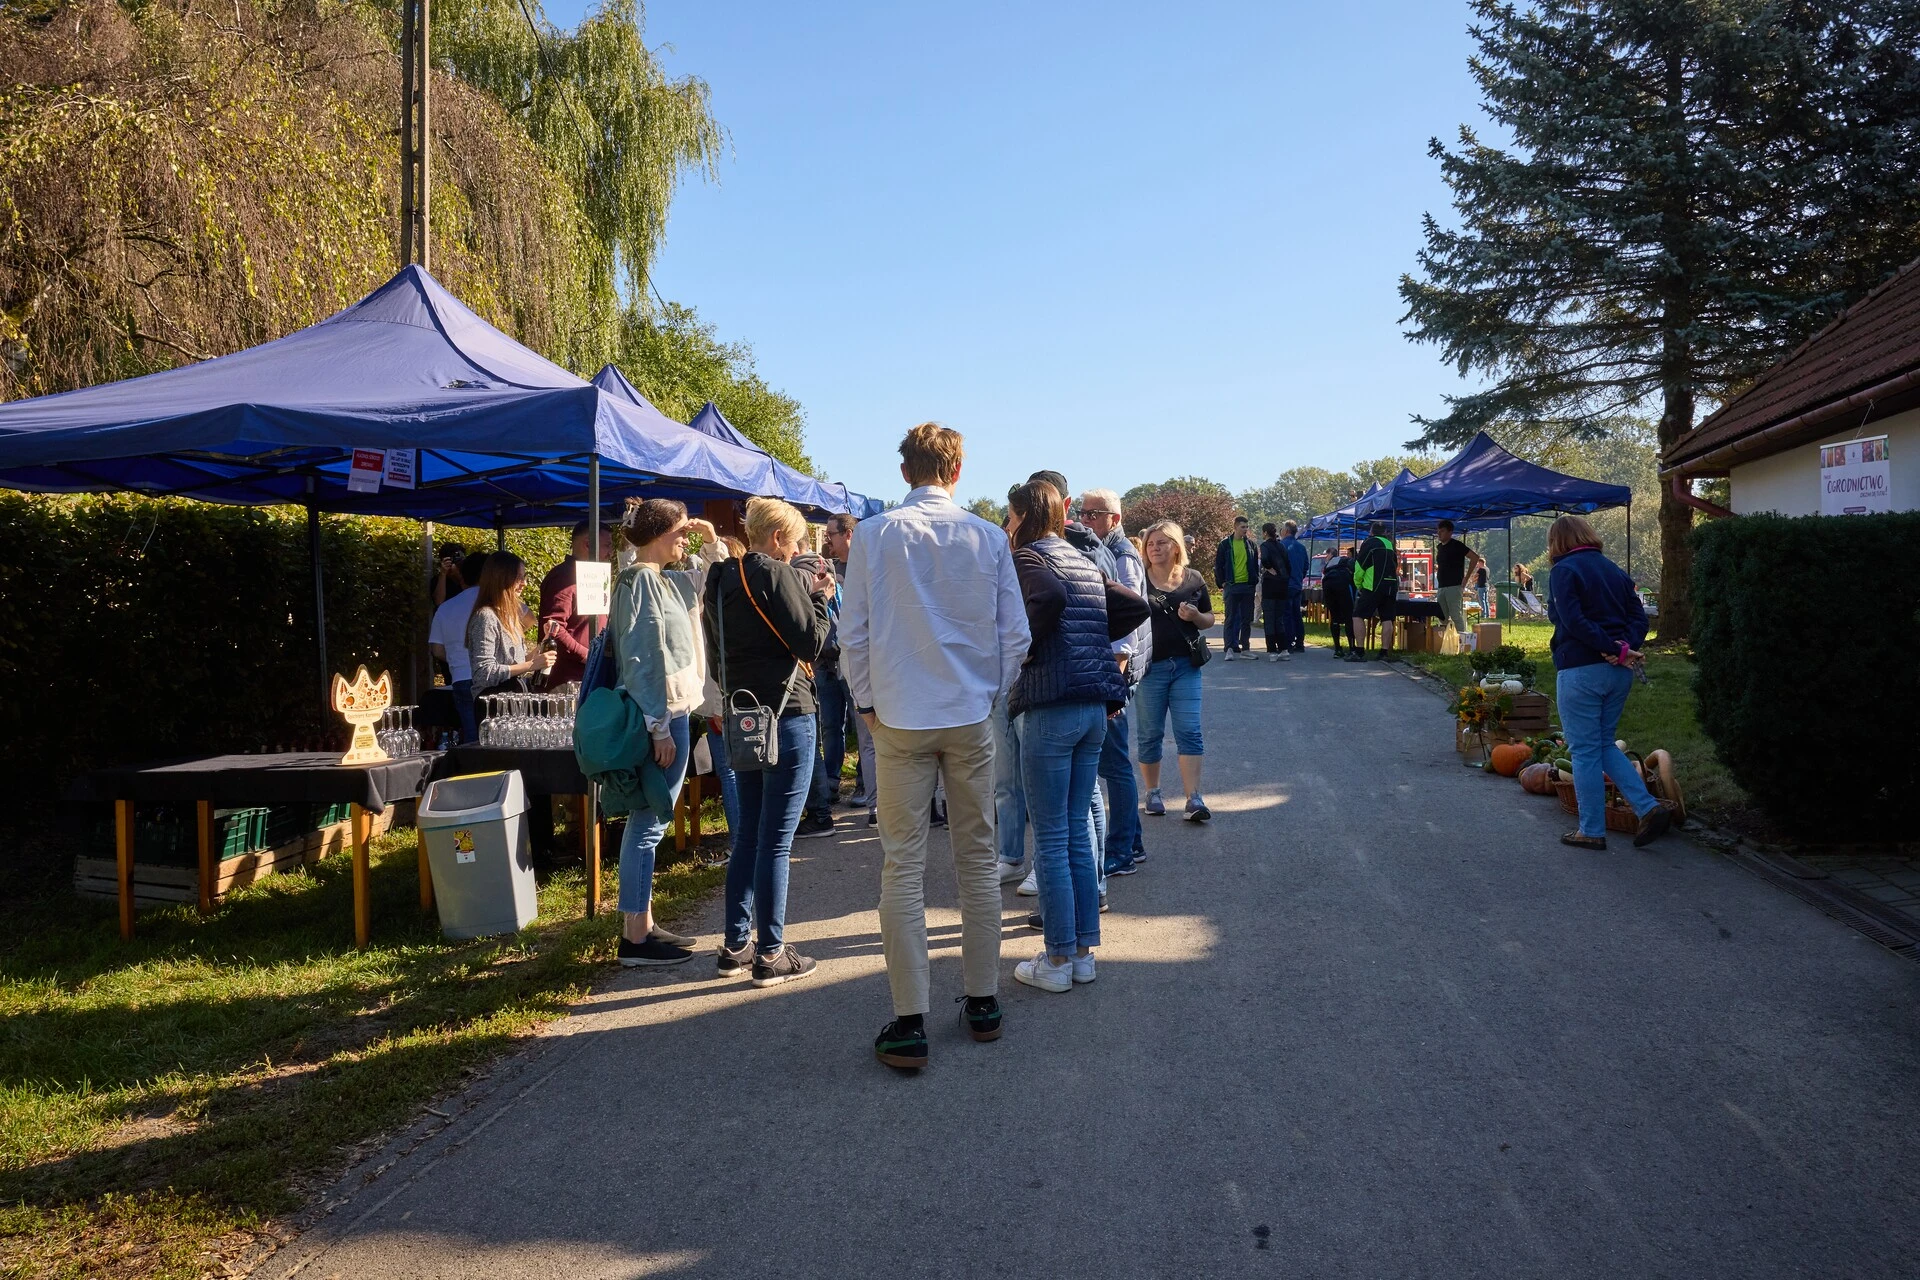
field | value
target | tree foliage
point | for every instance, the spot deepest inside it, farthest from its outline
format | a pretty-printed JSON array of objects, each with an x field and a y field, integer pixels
[
  {"x": 1203, "y": 509},
  {"x": 177, "y": 183},
  {"x": 1301, "y": 493},
  {"x": 1691, "y": 188},
  {"x": 602, "y": 111}
]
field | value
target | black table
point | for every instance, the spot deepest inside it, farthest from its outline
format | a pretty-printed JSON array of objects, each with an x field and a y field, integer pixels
[
  {"x": 1418, "y": 610},
  {"x": 545, "y": 771},
  {"x": 242, "y": 780}
]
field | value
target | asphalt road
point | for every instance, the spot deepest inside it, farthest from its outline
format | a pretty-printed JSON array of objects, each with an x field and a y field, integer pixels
[{"x": 1373, "y": 1021}]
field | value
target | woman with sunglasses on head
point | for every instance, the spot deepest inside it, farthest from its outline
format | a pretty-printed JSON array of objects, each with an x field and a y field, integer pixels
[
  {"x": 655, "y": 640},
  {"x": 497, "y": 630},
  {"x": 767, "y": 624}
]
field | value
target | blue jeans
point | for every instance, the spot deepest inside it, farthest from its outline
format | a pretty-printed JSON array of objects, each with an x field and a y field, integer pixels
[
  {"x": 836, "y": 704},
  {"x": 1009, "y": 789},
  {"x": 771, "y": 802},
  {"x": 645, "y": 829},
  {"x": 724, "y": 775},
  {"x": 1590, "y": 700},
  {"x": 1239, "y": 618},
  {"x": 1171, "y": 684},
  {"x": 1123, "y": 795},
  {"x": 463, "y": 707},
  {"x": 1060, "y": 762}
]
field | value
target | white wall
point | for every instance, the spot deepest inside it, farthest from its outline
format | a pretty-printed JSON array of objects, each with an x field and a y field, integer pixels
[{"x": 1788, "y": 483}]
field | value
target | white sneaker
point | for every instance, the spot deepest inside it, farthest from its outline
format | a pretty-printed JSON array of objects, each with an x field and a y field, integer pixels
[
  {"x": 1029, "y": 888},
  {"x": 1011, "y": 871},
  {"x": 1227, "y": 656},
  {"x": 1276, "y": 657},
  {"x": 1046, "y": 973},
  {"x": 1083, "y": 968}
]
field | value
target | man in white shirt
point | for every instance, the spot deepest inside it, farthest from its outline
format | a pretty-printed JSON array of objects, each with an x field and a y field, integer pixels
[
  {"x": 933, "y": 628},
  {"x": 447, "y": 641}
]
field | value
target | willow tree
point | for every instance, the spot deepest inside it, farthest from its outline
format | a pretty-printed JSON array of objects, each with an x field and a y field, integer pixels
[
  {"x": 600, "y": 108},
  {"x": 1689, "y": 189}
]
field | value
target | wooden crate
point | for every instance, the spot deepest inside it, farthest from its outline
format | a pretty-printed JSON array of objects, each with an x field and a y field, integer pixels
[
  {"x": 154, "y": 883},
  {"x": 1468, "y": 743}
]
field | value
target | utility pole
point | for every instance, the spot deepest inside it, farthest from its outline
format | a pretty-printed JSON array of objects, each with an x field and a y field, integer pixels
[{"x": 416, "y": 184}]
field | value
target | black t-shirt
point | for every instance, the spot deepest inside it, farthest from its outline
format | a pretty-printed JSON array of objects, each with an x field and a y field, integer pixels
[
  {"x": 1480, "y": 576},
  {"x": 1450, "y": 562},
  {"x": 1173, "y": 637}
]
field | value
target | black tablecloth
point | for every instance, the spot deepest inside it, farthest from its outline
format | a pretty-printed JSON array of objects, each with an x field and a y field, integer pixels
[
  {"x": 544, "y": 771},
  {"x": 1416, "y": 610},
  {"x": 279, "y": 778}
]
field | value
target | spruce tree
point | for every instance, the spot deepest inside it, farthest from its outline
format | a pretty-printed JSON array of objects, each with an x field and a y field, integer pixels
[{"x": 1690, "y": 187}]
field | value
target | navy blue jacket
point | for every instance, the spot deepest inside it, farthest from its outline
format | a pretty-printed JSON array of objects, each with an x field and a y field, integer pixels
[
  {"x": 1223, "y": 565},
  {"x": 1072, "y": 655},
  {"x": 1593, "y": 607}
]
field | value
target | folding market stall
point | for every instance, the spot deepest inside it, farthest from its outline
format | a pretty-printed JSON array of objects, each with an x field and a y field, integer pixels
[{"x": 406, "y": 403}]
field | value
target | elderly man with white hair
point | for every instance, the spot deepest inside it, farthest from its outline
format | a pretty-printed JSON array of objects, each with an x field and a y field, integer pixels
[{"x": 1099, "y": 510}]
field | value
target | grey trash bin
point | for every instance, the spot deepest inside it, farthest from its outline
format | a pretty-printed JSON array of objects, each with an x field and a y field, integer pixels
[{"x": 475, "y": 827}]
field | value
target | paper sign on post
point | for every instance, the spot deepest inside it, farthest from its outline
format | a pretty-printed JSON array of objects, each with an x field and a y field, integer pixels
[
  {"x": 592, "y": 587},
  {"x": 368, "y": 466},
  {"x": 1856, "y": 477},
  {"x": 399, "y": 469}
]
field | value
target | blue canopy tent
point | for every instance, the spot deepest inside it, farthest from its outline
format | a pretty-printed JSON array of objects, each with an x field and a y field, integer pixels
[
  {"x": 823, "y": 494},
  {"x": 497, "y": 434},
  {"x": 795, "y": 486},
  {"x": 502, "y": 435},
  {"x": 1482, "y": 487}
]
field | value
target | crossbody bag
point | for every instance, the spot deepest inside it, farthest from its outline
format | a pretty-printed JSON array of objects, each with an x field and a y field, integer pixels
[{"x": 750, "y": 728}]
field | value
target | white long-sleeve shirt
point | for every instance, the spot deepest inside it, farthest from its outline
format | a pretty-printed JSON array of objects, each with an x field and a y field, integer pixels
[{"x": 932, "y": 624}]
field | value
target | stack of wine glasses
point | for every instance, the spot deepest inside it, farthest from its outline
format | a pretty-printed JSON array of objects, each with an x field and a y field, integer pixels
[
  {"x": 396, "y": 734},
  {"x": 536, "y": 720}
]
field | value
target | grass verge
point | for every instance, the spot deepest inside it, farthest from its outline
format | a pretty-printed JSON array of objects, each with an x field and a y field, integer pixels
[
  {"x": 1659, "y": 713},
  {"x": 160, "y": 1099}
]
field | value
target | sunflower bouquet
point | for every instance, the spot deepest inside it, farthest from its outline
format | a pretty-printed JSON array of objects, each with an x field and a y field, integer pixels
[{"x": 1479, "y": 710}]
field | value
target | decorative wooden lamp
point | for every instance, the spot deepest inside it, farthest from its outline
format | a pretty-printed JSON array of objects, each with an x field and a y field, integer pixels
[{"x": 361, "y": 704}]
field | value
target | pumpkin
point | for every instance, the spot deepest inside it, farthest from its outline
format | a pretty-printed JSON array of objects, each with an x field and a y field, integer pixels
[
  {"x": 1507, "y": 758},
  {"x": 1537, "y": 778}
]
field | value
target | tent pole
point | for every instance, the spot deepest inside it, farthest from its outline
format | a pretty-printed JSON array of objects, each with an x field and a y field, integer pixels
[
  {"x": 1629, "y": 534},
  {"x": 590, "y": 826},
  {"x": 413, "y": 668},
  {"x": 319, "y": 599},
  {"x": 499, "y": 530}
]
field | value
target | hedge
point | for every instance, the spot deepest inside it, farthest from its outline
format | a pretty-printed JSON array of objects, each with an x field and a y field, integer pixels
[
  {"x": 1804, "y": 636},
  {"x": 137, "y": 629}
]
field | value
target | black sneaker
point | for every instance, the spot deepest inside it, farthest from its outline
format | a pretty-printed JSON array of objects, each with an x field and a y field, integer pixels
[
  {"x": 814, "y": 826},
  {"x": 652, "y": 952},
  {"x": 873, "y": 819},
  {"x": 980, "y": 1015},
  {"x": 784, "y": 965},
  {"x": 899, "y": 1047},
  {"x": 1117, "y": 868},
  {"x": 737, "y": 963},
  {"x": 1034, "y": 921}
]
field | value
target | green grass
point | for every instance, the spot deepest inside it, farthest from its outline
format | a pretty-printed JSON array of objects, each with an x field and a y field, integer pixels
[
  {"x": 1659, "y": 714},
  {"x": 159, "y": 1098}
]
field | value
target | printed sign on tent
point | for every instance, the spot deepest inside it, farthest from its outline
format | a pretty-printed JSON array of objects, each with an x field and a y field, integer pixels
[
  {"x": 1856, "y": 477},
  {"x": 368, "y": 466},
  {"x": 592, "y": 587},
  {"x": 399, "y": 470}
]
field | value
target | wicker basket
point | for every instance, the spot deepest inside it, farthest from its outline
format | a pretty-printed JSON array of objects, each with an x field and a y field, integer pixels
[{"x": 1619, "y": 816}]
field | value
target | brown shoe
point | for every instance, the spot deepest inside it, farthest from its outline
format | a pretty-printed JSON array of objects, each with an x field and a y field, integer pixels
[
  {"x": 1654, "y": 825},
  {"x": 1579, "y": 841}
]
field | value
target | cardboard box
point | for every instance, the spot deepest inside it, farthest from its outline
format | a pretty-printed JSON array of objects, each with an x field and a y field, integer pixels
[{"x": 1486, "y": 636}]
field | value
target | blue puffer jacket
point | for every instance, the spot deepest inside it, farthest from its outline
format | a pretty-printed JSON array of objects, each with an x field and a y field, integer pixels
[{"x": 1072, "y": 656}]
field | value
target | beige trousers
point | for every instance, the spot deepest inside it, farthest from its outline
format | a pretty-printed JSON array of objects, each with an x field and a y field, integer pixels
[{"x": 907, "y": 762}]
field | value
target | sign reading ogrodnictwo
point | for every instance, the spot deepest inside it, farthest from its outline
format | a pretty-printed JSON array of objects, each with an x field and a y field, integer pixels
[{"x": 1855, "y": 477}]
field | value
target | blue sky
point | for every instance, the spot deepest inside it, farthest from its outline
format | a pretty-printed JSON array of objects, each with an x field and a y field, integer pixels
[{"x": 1123, "y": 241}]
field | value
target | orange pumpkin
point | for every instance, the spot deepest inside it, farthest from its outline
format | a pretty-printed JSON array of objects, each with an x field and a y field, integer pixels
[
  {"x": 1537, "y": 778},
  {"x": 1507, "y": 758}
]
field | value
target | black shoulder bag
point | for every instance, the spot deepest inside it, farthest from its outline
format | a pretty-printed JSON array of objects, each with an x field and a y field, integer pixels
[{"x": 751, "y": 730}]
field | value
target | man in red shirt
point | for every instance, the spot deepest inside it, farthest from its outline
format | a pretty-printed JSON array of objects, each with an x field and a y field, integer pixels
[{"x": 560, "y": 620}]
